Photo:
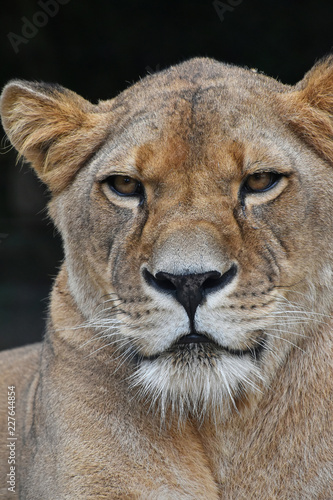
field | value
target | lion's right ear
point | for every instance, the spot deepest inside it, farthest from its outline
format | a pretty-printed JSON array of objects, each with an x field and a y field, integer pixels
[{"x": 51, "y": 127}]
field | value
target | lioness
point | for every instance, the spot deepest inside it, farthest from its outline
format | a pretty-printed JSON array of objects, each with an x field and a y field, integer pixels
[{"x": 188, "y": 352}]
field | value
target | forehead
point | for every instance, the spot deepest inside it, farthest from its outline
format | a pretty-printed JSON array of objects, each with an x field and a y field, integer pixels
[{"x": 182, "y": 124}]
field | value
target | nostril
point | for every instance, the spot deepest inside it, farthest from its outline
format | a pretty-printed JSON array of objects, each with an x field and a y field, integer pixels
[
  {"x": 212, "y": 281},
  {"x": 160, "y": 281},
  {"x": 173, "y": 282},
  {"x": 164, "y": 282},
  {"x": 190, "y": 284},
  {"x": 215, "y": 280}
]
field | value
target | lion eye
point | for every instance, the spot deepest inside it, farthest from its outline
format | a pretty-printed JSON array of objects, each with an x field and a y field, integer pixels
[
  {"x": 125, "y": 186},
  {"x": 261, "y": 181}
]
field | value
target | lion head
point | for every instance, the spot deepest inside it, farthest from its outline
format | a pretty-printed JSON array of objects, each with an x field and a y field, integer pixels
[{"x": 195, "y": 211}]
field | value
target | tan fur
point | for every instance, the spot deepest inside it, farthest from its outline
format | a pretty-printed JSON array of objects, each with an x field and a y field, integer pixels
[{"x": 109, "y": 405}]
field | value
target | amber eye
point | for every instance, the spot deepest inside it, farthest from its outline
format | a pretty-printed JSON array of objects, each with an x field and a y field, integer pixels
[
  {"x": 124, "y": 185},
  {"x": 261, "y": 181}
]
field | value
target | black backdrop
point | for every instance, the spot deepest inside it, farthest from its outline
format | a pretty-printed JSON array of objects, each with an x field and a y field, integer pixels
[{"x": 97, "y": 49}]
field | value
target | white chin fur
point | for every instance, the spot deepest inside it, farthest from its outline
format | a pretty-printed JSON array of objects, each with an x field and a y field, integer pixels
[{"x": 196, "y": 382}]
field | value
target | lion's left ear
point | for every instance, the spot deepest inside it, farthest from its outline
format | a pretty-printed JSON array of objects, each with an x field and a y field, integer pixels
[
  {"x": 53, "y": 128},
  {"x": 308, "y": 107}
]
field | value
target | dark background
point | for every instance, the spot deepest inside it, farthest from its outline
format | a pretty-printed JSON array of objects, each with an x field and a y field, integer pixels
[{"x": 97, "y": 49}]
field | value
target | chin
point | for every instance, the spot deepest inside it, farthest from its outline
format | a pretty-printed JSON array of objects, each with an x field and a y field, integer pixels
[{"x": 199, "y": 380}]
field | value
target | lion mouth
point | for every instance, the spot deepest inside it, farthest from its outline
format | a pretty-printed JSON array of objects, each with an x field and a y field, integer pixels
[
  {"x": 200, "y": 343},
  {"x": 194, "y": 338},
  {"x": 200, "y": 338}
]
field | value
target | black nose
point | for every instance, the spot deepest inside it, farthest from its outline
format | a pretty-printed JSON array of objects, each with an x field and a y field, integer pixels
[{"x": 190, "y": 289}]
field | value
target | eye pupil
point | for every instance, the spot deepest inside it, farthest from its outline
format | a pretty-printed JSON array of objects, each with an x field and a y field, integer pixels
[
  {"x": 124, "y": 185},
  {"x": 261, "y": 181}
]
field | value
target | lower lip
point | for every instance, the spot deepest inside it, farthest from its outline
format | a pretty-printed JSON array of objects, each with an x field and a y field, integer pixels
[{"x": 193, "y": 338}]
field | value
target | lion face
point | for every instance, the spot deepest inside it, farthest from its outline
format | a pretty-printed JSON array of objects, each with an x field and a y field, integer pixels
[{"x": 194, "y": 233}]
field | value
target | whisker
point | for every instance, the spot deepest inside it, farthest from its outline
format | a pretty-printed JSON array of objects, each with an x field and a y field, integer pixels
[
  {"x": 288, "y": 331},
  {"x": 228, "y": 389},
  {"x": 285, "y": 340},
  {"x": 124, "y": 343},
  {"x": 304, "y": 313}
]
